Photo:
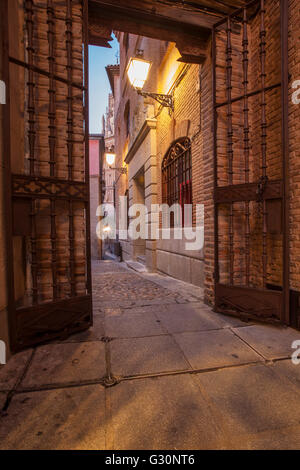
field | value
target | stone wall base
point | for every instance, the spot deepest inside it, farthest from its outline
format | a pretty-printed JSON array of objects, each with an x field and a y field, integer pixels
[{"x": 181, "y": 267}]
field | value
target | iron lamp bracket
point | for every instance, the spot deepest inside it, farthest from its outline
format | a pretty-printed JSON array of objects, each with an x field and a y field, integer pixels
[
  {"x": 122, "y": 170},
  {"x": 164, "y": 100}
]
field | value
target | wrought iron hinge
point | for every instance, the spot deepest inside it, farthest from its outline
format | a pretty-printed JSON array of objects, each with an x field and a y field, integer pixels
[{"x": 261, "y": 187}]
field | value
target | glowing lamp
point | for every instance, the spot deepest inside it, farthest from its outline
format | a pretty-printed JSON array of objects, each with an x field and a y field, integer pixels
[
  {"x": 110, "y": 158},
  {"x": 138, "y": 71}
]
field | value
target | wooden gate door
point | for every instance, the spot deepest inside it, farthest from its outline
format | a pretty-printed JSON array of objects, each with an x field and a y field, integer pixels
[
  {"x": 49, "y": 141},
  {"x": 251, "y": 166}
]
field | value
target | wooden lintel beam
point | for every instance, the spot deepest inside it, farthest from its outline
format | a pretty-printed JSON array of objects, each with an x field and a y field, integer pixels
[
  {"x": 143, "y": 23},
  {"x": 98, "y": 41}
]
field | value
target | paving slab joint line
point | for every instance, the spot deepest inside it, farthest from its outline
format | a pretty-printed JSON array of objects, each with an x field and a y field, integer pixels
[
  {"x": 187, "y": 371},
  {"x": 60, "y": 386},
  {"x": 249, "y": 345},
  {"x": 182, "y": 351},
  {"x": 111, "y": 381},
  {"x": 139, "y": 337},
  {"x": 106, "y": 339},
  {"x": 17, "y": 384},
  {"x": 215, "y": 412},
  {"x": 119, "y": 379},
  {"x": 109, "y": 431},
  {"x": 278, "y": 359},
  {"x": 103, "y": 381}
]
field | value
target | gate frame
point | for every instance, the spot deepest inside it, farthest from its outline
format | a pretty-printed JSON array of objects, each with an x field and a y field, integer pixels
[
  {"x": 7, "y": 190},
  {"x": 285, "y": 316},
  {"x": 15, "y": 344}
]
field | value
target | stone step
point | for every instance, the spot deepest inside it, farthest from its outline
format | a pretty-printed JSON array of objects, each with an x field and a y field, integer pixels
[
  {"x": 110, "y": 256},
  {"x": 136, "y": 266},
  {"x": 142, "y": 259}
]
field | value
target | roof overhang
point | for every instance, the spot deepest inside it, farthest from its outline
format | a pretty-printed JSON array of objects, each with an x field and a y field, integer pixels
[{"x": 112, "y": 72}]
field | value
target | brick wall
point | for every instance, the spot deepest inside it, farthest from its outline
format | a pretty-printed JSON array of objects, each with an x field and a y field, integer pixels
[
  {"x": 20, "y": 146},
  {"x": 208, "y": 183},
  {"x": 274, "y": 170},
  {"x": 184, "y": 122},
  {"x": 294, "y": 155}
]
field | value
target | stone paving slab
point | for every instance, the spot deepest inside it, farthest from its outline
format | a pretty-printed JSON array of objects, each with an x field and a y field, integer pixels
[
  {"x": 13, "y": 370},
  {"x": 105, "y": 305},
  {"x": 132, "y": 326},
  {"x": 65, "y": 363},
  {"x": 162, "y": 413},
  {"x": 159, "y": 301},
  {"x": 210, "y": 349},
  {"x": 272, "y": 342},
  {"x": 95, "y": 333},
  {"x": 289, "y": 371},
  {"x": 71, "y": 418},
  {"x": 146, "y": 355},
  {"x": 138, "y": 267},
  {"x": 109, "y": 311},
  {"x": 182, "y": 318},
  {"x": 251, "y": 399},
  {"x": 227, "y": 320},
  {"x": 190, "y": 291},
  {"x": 251, "y": 407},
  {"x": 144, "y": 310},
  {"x": 277, "y": 439}
]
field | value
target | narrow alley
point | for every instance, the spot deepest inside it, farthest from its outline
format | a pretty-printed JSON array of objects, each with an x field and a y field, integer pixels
[{"x": 158, "y": 370}]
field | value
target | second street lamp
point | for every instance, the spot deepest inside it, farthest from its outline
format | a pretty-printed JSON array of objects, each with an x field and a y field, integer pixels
[{"x": 110, "y": 160}]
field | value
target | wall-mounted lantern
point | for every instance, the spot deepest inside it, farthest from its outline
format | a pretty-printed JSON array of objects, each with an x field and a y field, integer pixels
[
  {"x": 110, "y": 160},
  {"x": 107, "y": 229},
  {"x": 138, "y": 71}
]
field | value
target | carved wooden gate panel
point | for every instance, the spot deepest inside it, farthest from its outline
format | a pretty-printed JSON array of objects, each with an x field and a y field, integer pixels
[
  {"x": 50, "y": 177},
  {"x": 250, "y": 148}
]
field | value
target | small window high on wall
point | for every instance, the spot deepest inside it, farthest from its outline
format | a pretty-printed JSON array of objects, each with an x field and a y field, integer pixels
[{"x": 177, "y": 178}]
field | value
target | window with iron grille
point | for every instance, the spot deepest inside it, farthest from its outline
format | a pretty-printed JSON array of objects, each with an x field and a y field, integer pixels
[{"x": 177, "y": 177}]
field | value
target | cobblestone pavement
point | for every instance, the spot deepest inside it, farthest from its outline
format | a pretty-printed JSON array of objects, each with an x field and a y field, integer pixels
[{"x": 158, "y": 370}]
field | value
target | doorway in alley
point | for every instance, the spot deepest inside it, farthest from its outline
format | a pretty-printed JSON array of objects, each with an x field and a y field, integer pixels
[
  {"x": 48, "y": 236},
  {"x": 48, "y": 239}
]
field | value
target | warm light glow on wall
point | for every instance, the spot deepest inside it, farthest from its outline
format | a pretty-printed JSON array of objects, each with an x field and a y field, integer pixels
[
  {"x": 138, "y": 71},
  {"x": 169, "y": 69}
]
